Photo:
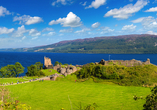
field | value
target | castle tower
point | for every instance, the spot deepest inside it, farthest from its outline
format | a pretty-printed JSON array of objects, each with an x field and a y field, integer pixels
[{"x": 47, "y": 63}]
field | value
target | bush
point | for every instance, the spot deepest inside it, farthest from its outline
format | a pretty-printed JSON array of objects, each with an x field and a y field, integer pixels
[
  {"x": 151, "y": 100},
  {"x": 136, "y": 75}
]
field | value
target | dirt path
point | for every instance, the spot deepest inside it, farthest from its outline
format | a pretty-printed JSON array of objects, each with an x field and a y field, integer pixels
[{"x": 29, "y": 81}]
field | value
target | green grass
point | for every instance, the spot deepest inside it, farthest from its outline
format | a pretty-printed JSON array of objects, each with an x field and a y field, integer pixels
[
  {"x": 53, "y": 95},
  {"x": 49, "y": 71}
]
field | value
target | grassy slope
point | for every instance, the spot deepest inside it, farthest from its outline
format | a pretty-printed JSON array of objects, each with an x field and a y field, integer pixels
[
  {"x": 49, "y": 71},
  {"x": 53, "y": 95}
]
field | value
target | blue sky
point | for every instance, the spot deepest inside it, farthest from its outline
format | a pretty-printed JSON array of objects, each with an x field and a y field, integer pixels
[{"x": 29, "y": 23}]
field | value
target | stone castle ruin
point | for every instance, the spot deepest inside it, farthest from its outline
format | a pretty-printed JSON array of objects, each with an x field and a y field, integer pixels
[
  {"x": 64, "y": 71},
  {"x": 127, "y": 63},
  {"x": 47, "y": 63}
]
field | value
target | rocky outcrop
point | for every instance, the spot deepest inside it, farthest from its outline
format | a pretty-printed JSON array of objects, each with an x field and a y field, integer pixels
[
  {"x": 127, "y": 63},
  {"x": 66, "y": 70},
  {"x": 54, "y": 76}
]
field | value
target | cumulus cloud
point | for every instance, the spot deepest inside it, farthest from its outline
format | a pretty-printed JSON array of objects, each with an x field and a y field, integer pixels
[
  {"x": 151, "y": 32},
  {"x": 4, "y": 30},
  {"x": 96, "y": 4},
  {"x": 62, "y": 2},
  {"x": 4, "y": 11},
  {"x": 129, "y": 27},
  {"x": 83, "y": 30},
  {"x": 147, "y": 22},
  {"x": 34, "y": 32},
  {"x": 27, "y": 20},
  {"x": 96, "y": 25},
  {"x": 153, "y": 9},
  {"x": 66, "y": 30},
  {"x": 126, "y": 11},
  {"x": 106, "y": 30},
  {"x": 70, "y": 21},
  {"x": 20, "y": 31},
  {"x": 49, "y": 34},
  {"x": 47, "y": 29}
]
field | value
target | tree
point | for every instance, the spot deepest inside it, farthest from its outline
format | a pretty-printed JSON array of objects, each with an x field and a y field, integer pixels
[
  {"x": 32, "y": 70},
  {"x": 39, "y": 65},
  {"x": 12, "y": 70},
  {"x": 19, "y": 68},
  {"x": 56, "y": 63}
]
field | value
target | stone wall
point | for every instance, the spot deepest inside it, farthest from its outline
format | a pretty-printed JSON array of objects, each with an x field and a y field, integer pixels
[{"x": 128, "y": 63}]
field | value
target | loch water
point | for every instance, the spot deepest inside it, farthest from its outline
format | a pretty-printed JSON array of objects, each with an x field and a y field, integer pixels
[{"x": 28, "y": 58}]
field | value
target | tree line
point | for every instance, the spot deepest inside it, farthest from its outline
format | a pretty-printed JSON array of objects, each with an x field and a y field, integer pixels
[{"x": 14, "y": 70}]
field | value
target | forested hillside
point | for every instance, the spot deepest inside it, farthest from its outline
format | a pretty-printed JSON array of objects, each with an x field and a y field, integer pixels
[{"x": 127, "y": 44}]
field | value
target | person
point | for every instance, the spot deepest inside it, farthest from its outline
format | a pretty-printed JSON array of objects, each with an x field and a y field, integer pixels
[
  {"x": 42, "y": 80},
  {"x": 75, "y": 81}
]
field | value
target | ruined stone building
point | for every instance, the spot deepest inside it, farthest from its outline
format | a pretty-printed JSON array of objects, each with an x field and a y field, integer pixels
[
  {"x": 47, "y": 63},
  {"x": 127, "y": 63}
]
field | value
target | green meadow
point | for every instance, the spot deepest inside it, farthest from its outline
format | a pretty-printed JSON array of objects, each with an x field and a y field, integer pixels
[{"x": 68, "y": 94}]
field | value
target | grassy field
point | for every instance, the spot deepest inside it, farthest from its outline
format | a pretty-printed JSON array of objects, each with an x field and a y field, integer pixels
[
  {"x": 54, "y": 95},
  {"x": 49, "y": 71}
]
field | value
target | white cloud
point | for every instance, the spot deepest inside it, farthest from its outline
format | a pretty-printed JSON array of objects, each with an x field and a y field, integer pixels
[
  {"x": 147, "y": 22},
  {"x": 24, "y": 37},
  {"x": 153, "y": 9},
  {"x": 34, "y": 32},
  {"x": 106, "y": 30},
  {"x": 28, "y": 20},
  {"x": 66, "y": 30},
  {"x": 96, "y": 25},
  {"x": 49, "y": 34},
  {"x": 138, "y": 20},
  {"x": 4, "y": 30},
  {"x": 83, "y": 30},
  {"x": 34, "y": 38},
  {"x": 20, "y": 31},
  {"x": 83, "y": 4},
  {"x": 151, "y": 32},
  {"x": 4, "y": 11},
  {"x": 126, "y": 11},
  {"x": 131, "y": 0},
  {"x": 47, "y": 29},
  {"x": 129, "y": 27},
  {"x": 63, "y": 2},
  {"x": 96, "y": 4},
  {"x": 70, "y": 21}
]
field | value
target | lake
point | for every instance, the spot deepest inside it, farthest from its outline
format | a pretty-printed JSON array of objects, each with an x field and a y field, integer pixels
[{"x": 28, "y": 58}]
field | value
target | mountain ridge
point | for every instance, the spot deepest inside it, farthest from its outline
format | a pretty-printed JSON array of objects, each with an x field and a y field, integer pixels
[{"x": 135, "y": 43}]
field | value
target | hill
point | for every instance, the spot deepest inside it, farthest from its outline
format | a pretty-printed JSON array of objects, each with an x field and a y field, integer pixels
[{"x": 124, "y": 44}]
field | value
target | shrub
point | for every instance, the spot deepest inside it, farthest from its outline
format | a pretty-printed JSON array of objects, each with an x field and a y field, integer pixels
[{"x": 136, "y": 75}]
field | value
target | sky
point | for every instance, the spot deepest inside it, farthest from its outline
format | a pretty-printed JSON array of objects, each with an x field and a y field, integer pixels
[{"x": 29, "y": 23}]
